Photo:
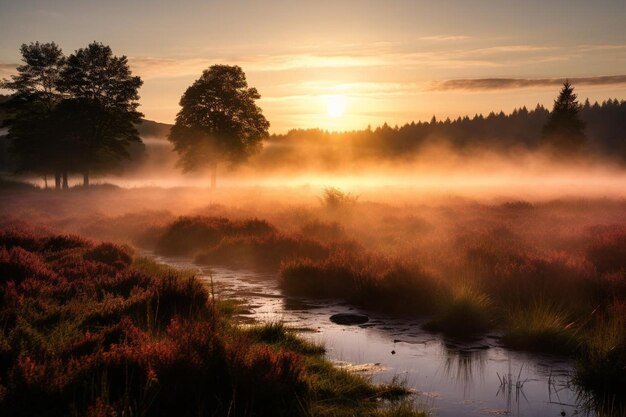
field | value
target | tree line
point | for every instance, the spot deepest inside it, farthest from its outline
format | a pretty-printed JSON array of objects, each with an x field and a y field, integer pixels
[
  {"x": 73, "y": 114},
  {"x": 78, "y": 115},
  {"x": 570, "y": 128}
]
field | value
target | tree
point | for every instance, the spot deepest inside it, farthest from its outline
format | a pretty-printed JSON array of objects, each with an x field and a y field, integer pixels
[
  {"x": 72, "y": 115},
  {"x": 101, "y": 111},
  {"x": 29, "y": 110},
  {"x": 218, "y": 121},
  {"x": 564, "y": 129}
]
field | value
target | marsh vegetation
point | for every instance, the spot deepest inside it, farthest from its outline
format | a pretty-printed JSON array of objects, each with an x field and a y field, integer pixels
[{"x": 544, "y": 276}]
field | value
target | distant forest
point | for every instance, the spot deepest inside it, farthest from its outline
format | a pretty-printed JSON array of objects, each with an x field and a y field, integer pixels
[{"x": 605, "y": 129}]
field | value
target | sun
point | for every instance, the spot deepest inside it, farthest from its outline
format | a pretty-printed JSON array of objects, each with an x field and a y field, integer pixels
[{"x": 335, "y": 105}]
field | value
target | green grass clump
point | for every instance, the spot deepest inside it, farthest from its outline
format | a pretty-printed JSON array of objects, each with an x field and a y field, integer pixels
[
  {"x": 277, "y": 334},
  {"x": 340, "y": 393},
  {"x": 541, "y": 327},
  {"x": 466, "y": 313},
  {"x": 602, "y": 366}
]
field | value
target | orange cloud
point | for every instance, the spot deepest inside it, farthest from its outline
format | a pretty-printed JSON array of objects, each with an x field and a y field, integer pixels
[{"x": 511, "y": 83}]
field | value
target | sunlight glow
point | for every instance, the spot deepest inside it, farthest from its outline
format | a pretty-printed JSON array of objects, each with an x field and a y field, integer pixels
[{"x": 335, "y": 105}]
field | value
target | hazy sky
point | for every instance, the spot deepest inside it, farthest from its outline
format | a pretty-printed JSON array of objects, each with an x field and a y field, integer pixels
[{"x": 346, "y": 64}]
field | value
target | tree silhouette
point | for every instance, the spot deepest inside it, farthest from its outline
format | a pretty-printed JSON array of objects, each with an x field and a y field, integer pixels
[
  {"x": 564, "y": 129},
  {"x": 218, "y": 120},
  {"x": 29, "y": 111},
  {"x": 101, "y": 112},
  {"x": 71, "y": 115}
]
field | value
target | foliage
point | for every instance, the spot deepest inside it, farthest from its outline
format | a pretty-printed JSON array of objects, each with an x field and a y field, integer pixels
[
  {"x": 218, "y": 120},
  {"x": 369, "y": 280},
  {"x": 334, "y": 199},
  {"x": 498, "y": 132},
  {"x": 88, "y": 332},
  {"x": 541, "y": 327},
  {"x": 465, "y": 313},
  {"x": 263, "y": 252},
  {"x": 29, "y": 109},
  {"x": 188, "y": 235},
  {"x": 565, "y": 129},
  {"x": 74, "y": 114}
]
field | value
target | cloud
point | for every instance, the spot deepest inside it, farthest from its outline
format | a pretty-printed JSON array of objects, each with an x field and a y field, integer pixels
[
  {"x": 375, "y": 55},
  {"x": 478, "y": 84},
  {"x": 6, "y": 70},
  {"x": 444, "y": 38}
]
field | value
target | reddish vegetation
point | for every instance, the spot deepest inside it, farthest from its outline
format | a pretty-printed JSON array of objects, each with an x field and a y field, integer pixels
[
  {"x": 188, "y": 235},
  {"x": 85, "y": 332},
  {"x": 265, "y": 252},
  {"x": 377, "y": 282},
  {"x": 550, "y": 275}
]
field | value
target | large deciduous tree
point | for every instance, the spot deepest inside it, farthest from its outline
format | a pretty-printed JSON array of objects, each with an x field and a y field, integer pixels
[
  {"x": 218, "y": 121},
  {"x": 564, "y": 129},
  {"x": 101, "y": 111},
  {"x": 74, "y": 114}
]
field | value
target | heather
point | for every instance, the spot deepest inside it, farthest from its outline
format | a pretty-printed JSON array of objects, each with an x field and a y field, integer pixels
[
  {"x": 90, "y": 329},
  {"x": 545, "y": 276}
]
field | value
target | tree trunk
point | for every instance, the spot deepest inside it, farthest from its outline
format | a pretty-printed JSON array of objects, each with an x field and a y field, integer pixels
[
  {"x": 45, "y": 181},
  {"x": 65, "y": 186},
  {"x": 86, "y": 178},
  {"x": 57, "y": 180},
  {"x": 213, "y": 176}
]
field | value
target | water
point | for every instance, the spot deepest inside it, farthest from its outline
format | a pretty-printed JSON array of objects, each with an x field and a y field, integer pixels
[{"x": 452, "y": 379}]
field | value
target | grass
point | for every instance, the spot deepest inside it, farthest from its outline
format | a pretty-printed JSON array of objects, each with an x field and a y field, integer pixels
[
  {"x": 371, "y": 281},
  {"x": 89, "y": 329},
  {"x": 542, "y": 327},
  {"x": 465, "y": 313},
  {"x": 541, "y": 265},
  {"x": 602, "y": 368},
  {"x": 277, "y": 334}
]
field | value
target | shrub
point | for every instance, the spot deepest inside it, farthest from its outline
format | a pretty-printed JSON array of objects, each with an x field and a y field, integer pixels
[
  {"x": 89, "y": 331},
  {"x": 109, "y": 254},
  {"x": 326, "y": 231},
  {"x": 607, "y": 251},
  {"x": 190, "y": 234},
  {"x": 262, "y": 252},
  {"x": 334, "y": 199},
  {"x": 371, "y": 281}
]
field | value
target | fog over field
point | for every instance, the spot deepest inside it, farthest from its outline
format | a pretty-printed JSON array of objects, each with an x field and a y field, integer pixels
[{"x": 313, "y": 209}]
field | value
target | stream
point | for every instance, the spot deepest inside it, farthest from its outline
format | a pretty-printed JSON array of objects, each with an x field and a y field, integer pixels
[{"x": 479, "y": 378}]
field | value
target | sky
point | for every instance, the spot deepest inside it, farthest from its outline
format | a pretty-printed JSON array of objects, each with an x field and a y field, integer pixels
[{"x": 346, "y": 64}]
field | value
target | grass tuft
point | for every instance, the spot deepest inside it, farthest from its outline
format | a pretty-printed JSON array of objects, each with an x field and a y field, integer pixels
[{"x": 542, "y": 327}]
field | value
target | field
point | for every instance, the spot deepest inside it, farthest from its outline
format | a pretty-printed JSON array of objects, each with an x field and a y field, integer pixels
[{"x": 547, "y": 275}]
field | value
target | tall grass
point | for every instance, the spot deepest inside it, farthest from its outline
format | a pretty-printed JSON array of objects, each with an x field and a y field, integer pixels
[
  {"x": 602, "y": 367},
  {"x": 372, "y": 281},
  {"x": 87, "y": 329},
  {"x": 542, "y": 327},
  {"x": 465, "y": 313}
]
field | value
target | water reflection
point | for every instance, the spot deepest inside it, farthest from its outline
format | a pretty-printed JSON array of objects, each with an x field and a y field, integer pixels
[
  {"x": 465, "y": 366},
  {"x": 474, "y": 379}
]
